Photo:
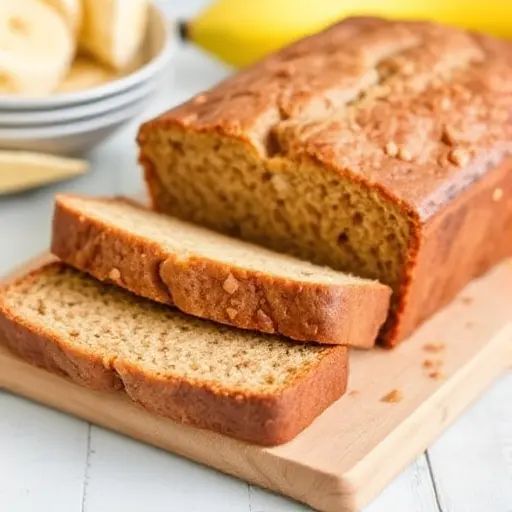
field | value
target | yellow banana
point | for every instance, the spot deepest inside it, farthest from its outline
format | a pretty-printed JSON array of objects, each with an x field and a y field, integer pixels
[{"x": 240, "y": 32}]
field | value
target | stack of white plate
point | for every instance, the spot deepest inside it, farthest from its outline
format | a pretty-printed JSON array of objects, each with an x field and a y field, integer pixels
[{"x": 74, "y": 123}]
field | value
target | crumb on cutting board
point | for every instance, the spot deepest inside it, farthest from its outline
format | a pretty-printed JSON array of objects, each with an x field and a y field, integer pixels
[
  {"x": 354, "y": 392},
  {"x": 393, "y": 397},
  {"x": 437, "y": 375},
  {"x": 469, "y": 324},
  {"x": 432, "y": 363},
  {"x": 467, "y": 300},
  {"x": 434, "y": 347}
]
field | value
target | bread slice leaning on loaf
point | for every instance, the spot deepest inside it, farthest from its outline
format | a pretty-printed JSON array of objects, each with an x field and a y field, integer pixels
[
  {"x": 377, "y": 147},
  {"x": 212, "y": 276},
  {"x": 254, "y": 387}
]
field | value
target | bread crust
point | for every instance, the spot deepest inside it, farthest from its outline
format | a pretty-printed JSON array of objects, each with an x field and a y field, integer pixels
[
  {"x": 261, "y": 419},
  {"x": 471, "y": 235},
  {"x": 427, "y": 74},
  {"x": 333, "y": 314},
  {"x": 415, "y": 112}
]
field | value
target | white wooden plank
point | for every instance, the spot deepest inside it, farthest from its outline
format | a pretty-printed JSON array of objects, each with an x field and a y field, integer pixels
[
  {"x": 412, "y": 491},
  {"x": 126, "y": 475},
  {"x": 472, "y": 461},
  {"x": 42, "y": 458},
  {"x": 265, "y": 501}
]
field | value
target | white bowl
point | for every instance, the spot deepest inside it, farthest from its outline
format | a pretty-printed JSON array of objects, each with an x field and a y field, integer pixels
[
  {"x": 74, "y": 123},
  {"x": 158, "y": 47},
  {"x": 73, "y": 138},
  {"x": 40, "y": 118}
]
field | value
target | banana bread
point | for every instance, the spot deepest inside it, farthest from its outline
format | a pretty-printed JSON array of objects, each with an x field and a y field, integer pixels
[
  {"x": 212, "y": 276},
  {"x": 254, "y": 387},
  {"x": 376, "y": 147}
]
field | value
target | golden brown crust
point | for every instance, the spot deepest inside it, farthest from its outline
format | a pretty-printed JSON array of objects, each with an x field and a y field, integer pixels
[
  {"x": 261, "y": 419},
  {"x": 447, "y": 102},
  {"x": 469, "y": 237},
  {"x": 266, "y": 420},
  {"x": 417, "y": 112},
  {"x": 342, "y": 314}
]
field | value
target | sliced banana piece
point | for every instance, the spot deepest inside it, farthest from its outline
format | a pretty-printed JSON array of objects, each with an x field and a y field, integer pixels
[
  {"x": 86, "y": 73},
  {"x": 70, "y": 10},
  {"x": 21, "y": 171},
  {"x": 139, "y": 59},
  {"x": 113, "y": 30},
  {"x": 36, "y": 48}
]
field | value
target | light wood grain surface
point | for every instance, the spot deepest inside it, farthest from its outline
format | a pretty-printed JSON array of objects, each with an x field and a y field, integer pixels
[{"x": 50, "y": 461}]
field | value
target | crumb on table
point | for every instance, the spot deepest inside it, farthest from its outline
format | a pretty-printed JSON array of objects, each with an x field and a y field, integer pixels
[
  {"x": 467, "y": 300},
  {"x": 354, "y": 392},
  {"x": 393, "y": 397}
]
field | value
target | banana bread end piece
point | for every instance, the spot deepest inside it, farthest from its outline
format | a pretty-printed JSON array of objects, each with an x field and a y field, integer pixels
[{"x": 258, "y": 388}]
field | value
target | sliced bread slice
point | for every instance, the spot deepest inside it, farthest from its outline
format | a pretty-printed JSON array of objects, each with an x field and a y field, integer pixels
[
  {"x": 255, "y": 387},
  {"x": 216, "y": 277}
]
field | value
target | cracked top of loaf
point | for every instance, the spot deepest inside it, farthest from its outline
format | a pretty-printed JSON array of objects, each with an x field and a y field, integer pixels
[{"x": 417, "y": 110}]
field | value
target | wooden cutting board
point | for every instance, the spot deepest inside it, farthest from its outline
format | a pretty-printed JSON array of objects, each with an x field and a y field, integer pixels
[{"x": 346, "y": 457}]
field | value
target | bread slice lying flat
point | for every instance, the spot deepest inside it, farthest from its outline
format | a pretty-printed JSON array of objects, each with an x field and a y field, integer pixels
[
  {"x": 255, "y": 387},
  {"x": 213, "y": 276}
]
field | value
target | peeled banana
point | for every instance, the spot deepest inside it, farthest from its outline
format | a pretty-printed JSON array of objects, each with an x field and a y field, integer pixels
[
  {"x": 36, "y": 48},
  {"x": 113, "y": 30},
  {"x": 240, "y": 32},
  {"x": 22, "y": 171}
]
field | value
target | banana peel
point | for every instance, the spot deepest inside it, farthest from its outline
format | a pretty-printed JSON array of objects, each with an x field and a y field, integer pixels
[
  {"x": 242, "y": 32},
  {"x": 21, "y": 171}
]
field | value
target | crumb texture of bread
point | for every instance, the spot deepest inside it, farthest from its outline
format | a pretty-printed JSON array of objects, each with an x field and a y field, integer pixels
[
  {"x": 259, "y": 388},
  {"x": 216, "y": 277},
  {"x": 367, "y": 147}
]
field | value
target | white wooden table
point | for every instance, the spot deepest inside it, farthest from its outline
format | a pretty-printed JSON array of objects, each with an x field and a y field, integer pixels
[{"x": 51, "y": 462}]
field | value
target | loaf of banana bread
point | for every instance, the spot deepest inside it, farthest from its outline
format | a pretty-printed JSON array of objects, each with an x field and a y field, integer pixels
[{"x": 376, "y": 147}]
